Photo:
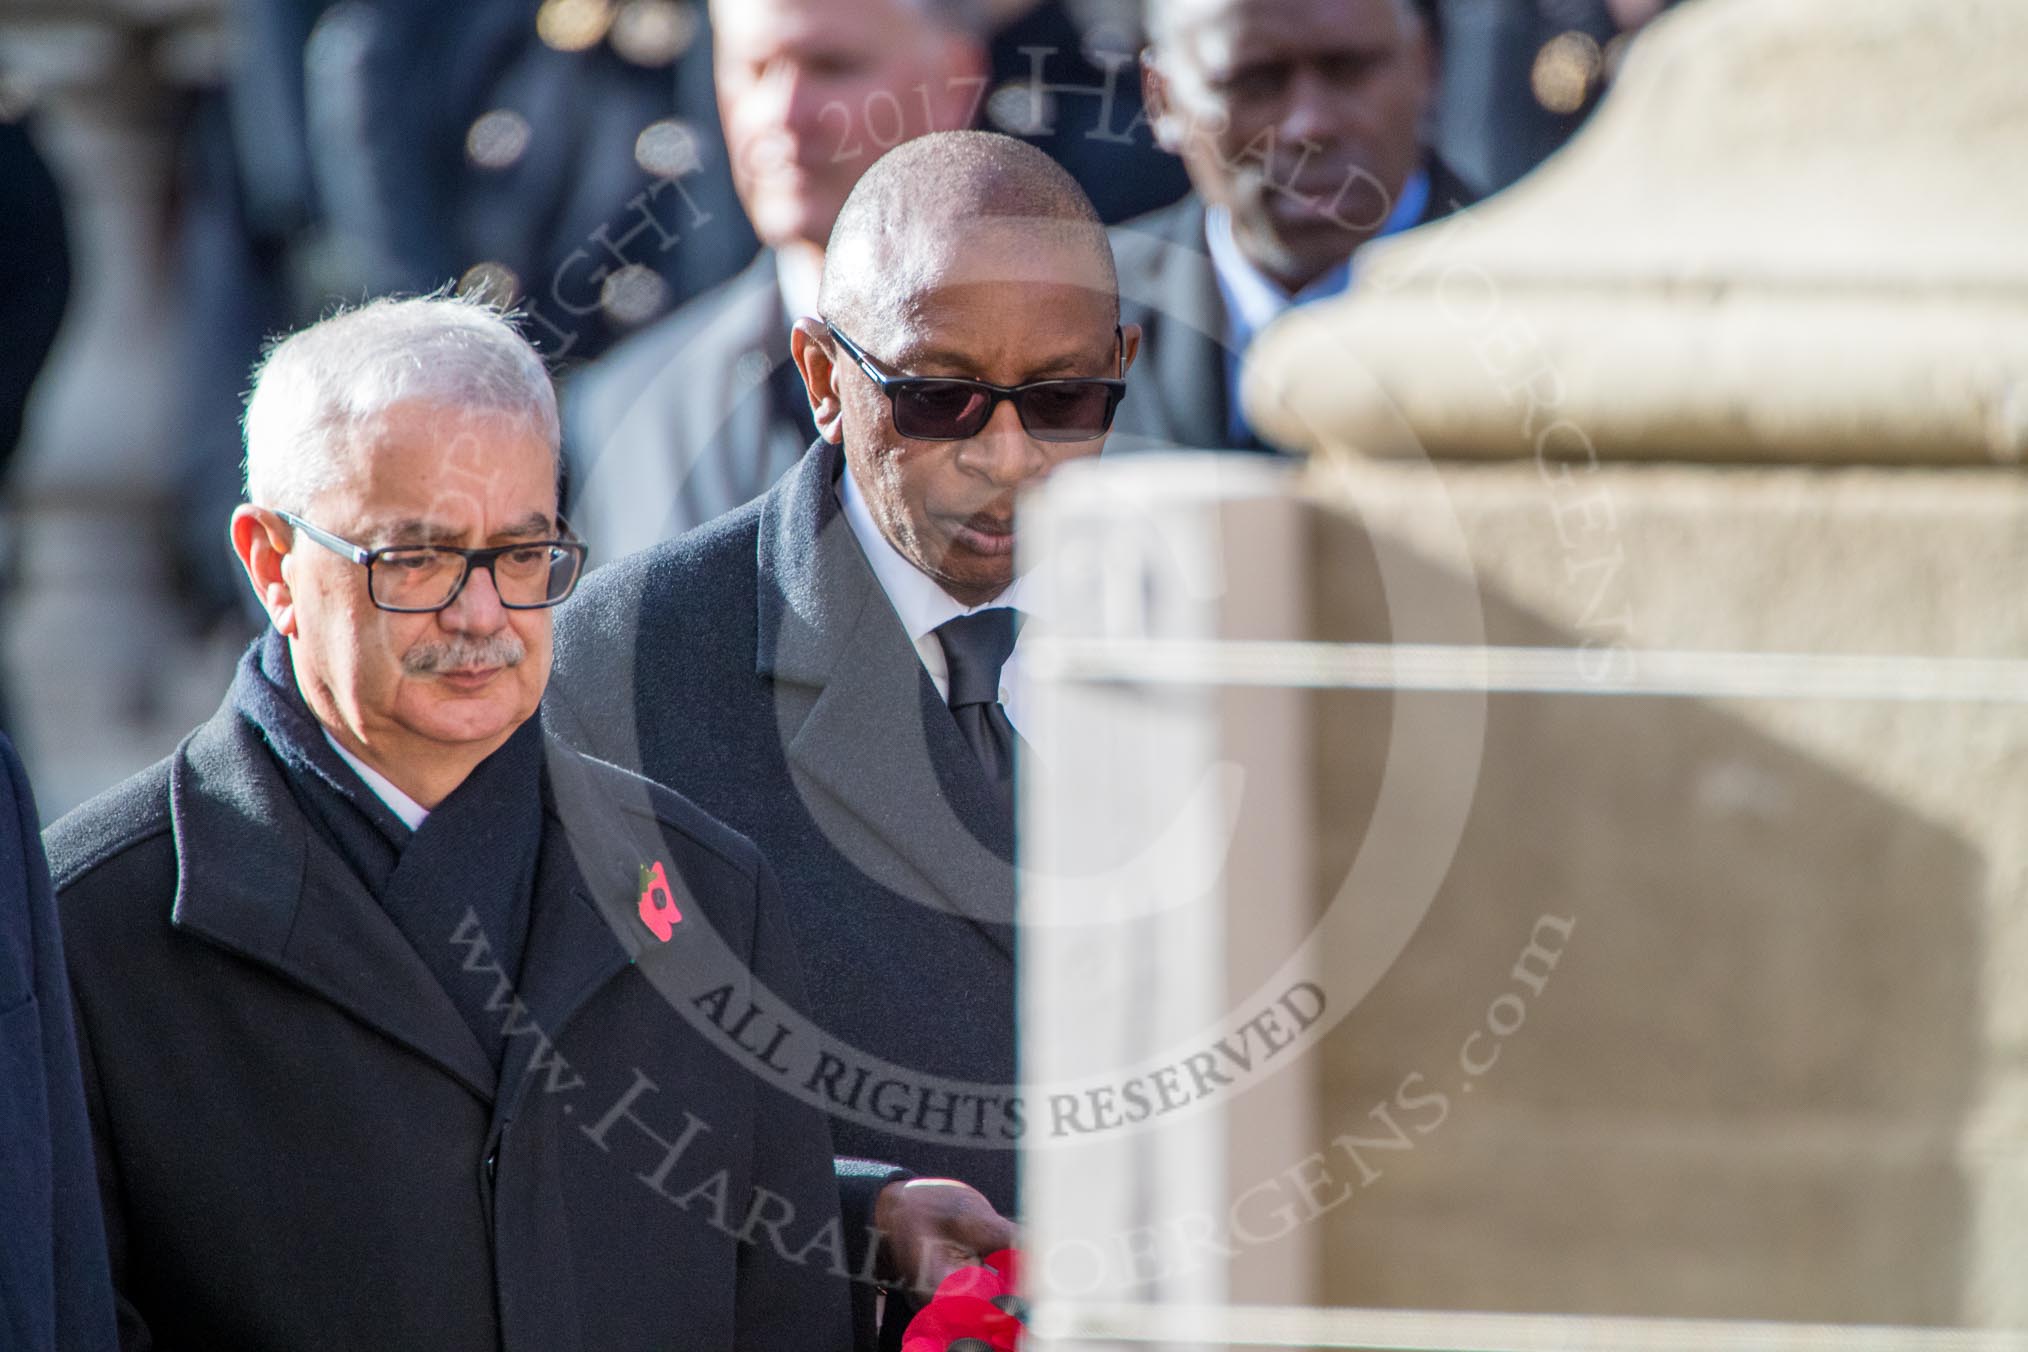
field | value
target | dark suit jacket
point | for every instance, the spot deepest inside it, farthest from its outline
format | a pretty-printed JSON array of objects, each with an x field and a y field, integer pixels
[
  {"x": 687, "y": 420},
  {"x": 756, "y": 666},
  {"x": 55, "y": 1291},
  {"x": 1176, "y": 394},
  {"x": 301, "y": 1144}
]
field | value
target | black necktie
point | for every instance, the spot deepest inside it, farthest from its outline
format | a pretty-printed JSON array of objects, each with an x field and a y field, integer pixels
[{"x": 976, "y": 647}]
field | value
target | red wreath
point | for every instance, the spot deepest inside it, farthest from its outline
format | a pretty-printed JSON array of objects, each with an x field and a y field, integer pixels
[{"x": 974, "y": 1303}]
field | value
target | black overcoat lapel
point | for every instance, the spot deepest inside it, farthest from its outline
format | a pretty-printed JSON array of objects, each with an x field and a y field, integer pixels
[
  {"x": 254, "y": 878},
  {"x": 879, "y": 759}
]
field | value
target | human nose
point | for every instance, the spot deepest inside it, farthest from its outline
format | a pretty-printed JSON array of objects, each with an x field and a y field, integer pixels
[
  {"x": 1314, "y": 110},
  {"x": 1003, "y": 451},
  {"x": 476, "y": 608},
  {"x": 800, "y": 106}
]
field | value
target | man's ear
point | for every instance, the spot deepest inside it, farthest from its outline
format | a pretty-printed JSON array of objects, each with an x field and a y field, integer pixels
[
  {"x": 808, "y": 347},
  {"x": 262, "y": 540},
  {"x": 1130, "y": 346},
  {"x": 1157, "y": 106}
]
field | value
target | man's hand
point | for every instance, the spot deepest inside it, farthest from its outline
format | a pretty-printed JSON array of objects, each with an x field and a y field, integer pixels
[{"x": 931, "y": 1227}]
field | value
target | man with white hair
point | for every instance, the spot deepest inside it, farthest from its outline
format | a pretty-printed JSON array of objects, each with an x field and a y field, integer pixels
[{"x": 402, "y": 1025}]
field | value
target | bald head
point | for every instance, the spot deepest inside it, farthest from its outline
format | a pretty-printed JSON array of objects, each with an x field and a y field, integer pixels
[
  {"x": 955, "y": 208},
  {"x": 973, "y": 344}
]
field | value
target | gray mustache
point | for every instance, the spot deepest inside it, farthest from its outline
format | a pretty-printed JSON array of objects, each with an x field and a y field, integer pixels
[{"x": 496, "y": 650}]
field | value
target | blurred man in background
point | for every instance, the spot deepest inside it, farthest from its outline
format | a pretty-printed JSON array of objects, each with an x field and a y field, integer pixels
[
  {"x": 1303, "y": 126},
  {"x": 704, "y": 411}
]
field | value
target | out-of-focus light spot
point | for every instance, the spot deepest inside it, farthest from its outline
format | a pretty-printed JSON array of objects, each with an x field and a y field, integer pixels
[
  {"x": 633, "y": 294},
  {"x": 573, "y": 25},
  {"x": 654, "y": 32},
  {"x": 497, "y": 139},
  {"x": 1566, "y": 69},
  {"x": 666, "y": 149},
  {"x": 491, "y": 281},
  {"x": 1021, "y": 109}
]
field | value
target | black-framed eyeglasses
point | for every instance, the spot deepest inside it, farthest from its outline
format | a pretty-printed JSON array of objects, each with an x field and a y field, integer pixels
[
  {"x": 417, "y": 579},
  {"x": 949, "y": 408}
]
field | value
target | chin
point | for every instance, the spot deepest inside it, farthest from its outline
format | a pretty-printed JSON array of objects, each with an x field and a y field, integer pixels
[
  {"x": 465, "y": 722},
  {"x": 985, "y": 582}
]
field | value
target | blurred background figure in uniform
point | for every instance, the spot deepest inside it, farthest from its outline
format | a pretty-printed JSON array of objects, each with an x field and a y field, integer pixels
[
  {"x": 1521, "y": 76},
  {"x": 1065, "y": 77},
  {"x": 561, "y": 154}
]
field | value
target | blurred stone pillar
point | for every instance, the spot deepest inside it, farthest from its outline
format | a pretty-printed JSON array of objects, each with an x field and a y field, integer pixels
[{"x": 1162, "y": 829}]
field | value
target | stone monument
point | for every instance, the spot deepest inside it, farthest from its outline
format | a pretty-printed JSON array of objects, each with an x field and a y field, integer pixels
[{"x": 1547, "y": 869}]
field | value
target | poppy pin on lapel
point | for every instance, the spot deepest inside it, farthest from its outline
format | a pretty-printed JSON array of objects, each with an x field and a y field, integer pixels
[{"x": 658, "y": 904}]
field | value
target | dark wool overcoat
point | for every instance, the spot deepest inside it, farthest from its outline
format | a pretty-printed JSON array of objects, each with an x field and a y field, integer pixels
[
  {"x": 756, "y": 667},
  {"x": 301, "y": 1144}
]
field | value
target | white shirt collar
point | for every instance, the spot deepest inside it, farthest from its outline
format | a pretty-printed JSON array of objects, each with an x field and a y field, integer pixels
[
  {"x": 1252, "y": 298},
  {"x": 408, "y": 809}
]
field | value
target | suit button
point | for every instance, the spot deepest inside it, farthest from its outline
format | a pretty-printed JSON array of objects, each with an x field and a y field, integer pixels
[{"x": 492, "y": 1164}]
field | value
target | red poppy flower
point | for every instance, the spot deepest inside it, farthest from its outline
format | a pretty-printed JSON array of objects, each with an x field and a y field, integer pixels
[{"x": 974, "y": 1310}]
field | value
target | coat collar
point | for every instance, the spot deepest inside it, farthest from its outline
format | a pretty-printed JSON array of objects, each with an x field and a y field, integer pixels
[
  {"x": 256, "y": 880},
  {"x": 815, "y": 585},
  {"x": 253, "y": 878},
  {"x": 903, "y": 798}
]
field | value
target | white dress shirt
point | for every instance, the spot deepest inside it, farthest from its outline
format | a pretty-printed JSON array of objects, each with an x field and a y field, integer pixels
[
  {"x": 922, "y": 604},
  {"x": 399, "y": 803}
]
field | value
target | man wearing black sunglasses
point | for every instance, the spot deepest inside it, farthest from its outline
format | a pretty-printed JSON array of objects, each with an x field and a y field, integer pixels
[
  {"x": 830, "y": 668},
  {"x": 384, "y": 996}
]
